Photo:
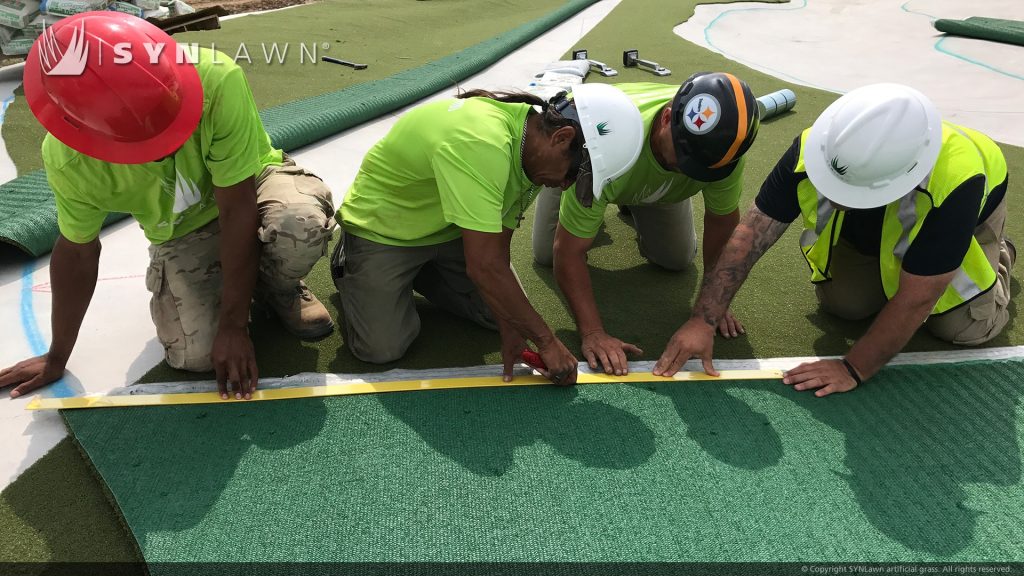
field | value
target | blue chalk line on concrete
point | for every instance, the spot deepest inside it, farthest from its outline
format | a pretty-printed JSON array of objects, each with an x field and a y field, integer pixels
[{"x": 36, "y": 342}]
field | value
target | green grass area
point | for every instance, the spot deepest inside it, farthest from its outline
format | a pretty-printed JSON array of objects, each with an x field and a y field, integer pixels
[
  {"x": 388, "y": 35},
  {"x": 951, "y": 460}
]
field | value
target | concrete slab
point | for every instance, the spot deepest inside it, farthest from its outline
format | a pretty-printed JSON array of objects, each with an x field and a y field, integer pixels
[{"x": 839, "y": 45}]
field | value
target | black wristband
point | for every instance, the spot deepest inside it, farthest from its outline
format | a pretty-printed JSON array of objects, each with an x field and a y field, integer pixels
[{"x": 852, "y": 371}]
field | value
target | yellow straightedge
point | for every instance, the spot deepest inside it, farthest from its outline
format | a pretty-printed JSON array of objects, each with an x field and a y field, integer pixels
[{"x": 358, "y": 387}]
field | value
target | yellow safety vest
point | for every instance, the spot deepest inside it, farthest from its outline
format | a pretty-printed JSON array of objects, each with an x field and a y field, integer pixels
[{"x": 965, "y": 154}]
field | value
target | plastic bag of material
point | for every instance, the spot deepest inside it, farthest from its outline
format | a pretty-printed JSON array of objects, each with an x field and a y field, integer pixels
[
  {"x": 18, "y": 13},
  {"x": 126, "y": 8},
  {"x": 179, "y": 8},
  {"x": 18, "y": 45},
  {"x": 71, "y": 7},
  {"x": 161, "y": 12},
  {"x": 578, "y": 68}
]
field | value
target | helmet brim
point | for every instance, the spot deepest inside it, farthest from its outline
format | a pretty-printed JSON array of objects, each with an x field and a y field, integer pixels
[
  {"x": 100, "y": 146},
  {"x": 694, "y": 169},
  {"x": 864, "y": 197}
]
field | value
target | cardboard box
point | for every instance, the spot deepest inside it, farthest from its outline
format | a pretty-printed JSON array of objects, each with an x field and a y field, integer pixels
[
  {"x": 18, "y": 13},
  {"x": 71, "y": 7}
]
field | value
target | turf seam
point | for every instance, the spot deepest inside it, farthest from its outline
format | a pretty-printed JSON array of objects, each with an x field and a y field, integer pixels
[{"x": 108, "y": 494}]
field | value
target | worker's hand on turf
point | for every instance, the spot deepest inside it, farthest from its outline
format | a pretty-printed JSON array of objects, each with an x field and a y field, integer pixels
[
  {"x": 512, "y": 346},
  {"x": 561, "y": 363},
  {"x": 29, "y": 375},
  {"x": 729, "y": 326},
  {"x": 234, "y": 361},
  {"x": 695, "y": 339},
  {"x": 604, "y": 351},
  {"x": 824, "y": 376}
]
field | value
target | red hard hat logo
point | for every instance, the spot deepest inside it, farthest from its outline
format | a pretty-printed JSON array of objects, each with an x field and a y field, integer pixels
[
  {"x": 59, "y": 61},
  {"x": 114, "y": 87}
]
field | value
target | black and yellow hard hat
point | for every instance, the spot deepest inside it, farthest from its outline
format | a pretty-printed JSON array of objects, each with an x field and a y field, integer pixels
[{"x": 714, "y": 121}]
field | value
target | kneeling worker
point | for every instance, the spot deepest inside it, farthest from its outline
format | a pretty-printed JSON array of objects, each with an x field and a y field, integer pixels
[
  {"x": 436, "y": 201},
  {"x": 903, "y": 217},
  {"x": 695, "y": 137},
  {"x": 176, "y": 142}
]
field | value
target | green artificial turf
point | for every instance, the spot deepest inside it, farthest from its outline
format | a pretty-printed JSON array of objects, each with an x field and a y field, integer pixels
[
  {"x": 921, "y": 464},
  {"x": 388, "y": 35},
  {"x": 57, "y": 510}
]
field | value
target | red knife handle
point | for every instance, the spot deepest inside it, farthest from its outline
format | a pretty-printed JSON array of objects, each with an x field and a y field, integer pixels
[{"x": 533, "y": 360}]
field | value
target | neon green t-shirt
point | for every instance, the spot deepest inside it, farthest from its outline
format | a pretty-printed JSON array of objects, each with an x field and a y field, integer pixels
[
  {"x": 172, "y": 196},
  {"x": 647, "y": 182},
  {"x": 444, "y": 166}
]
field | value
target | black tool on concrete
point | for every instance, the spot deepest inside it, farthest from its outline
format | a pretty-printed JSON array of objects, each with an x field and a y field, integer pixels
[
  {"x": 631, "y": 59},
  {"x": 344, "y": 63},
  {"x": 599, "y": 67}
]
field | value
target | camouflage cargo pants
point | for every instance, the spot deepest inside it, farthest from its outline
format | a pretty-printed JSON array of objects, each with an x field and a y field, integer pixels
[{"x": 296, "y": 220}]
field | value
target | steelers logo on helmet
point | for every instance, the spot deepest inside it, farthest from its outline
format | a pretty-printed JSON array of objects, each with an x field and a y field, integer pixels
[{"x": 702, "y": 113}]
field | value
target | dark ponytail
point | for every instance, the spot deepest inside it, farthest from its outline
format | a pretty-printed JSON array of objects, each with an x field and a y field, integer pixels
[{"x": 551, "y": 120}]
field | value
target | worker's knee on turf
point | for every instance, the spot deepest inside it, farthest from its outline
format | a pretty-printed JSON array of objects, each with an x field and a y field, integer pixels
[
  {"x": 676, "y": 260},
  {"x": 377, "y": 350},
  {"x": 543, "y": 256},
  {"x": 967, "y": 327},
  {"x": 849, "y": 309},
  {"x": 294, "y": 237},
  {"x": 188, "y": 360},
  {"x": 838, "y": 300},
  {"x": 386, "y": 340}
]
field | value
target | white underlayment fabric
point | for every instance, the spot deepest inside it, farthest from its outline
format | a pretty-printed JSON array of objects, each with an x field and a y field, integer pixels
[{"x": 838, "y": 45}]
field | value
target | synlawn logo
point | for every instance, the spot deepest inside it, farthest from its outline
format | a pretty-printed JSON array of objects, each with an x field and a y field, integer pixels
[
  {"x": 70, "y": 62},
  {"x": 603, "y": 129},
  {"x": 58, "y": 61},
  {"x": 841, "y": 170}
]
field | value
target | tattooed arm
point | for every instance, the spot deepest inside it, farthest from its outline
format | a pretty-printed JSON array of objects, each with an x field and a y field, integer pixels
[{"x": 753, "y": 236}]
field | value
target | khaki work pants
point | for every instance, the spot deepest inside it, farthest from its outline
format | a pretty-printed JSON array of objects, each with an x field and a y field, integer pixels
[
  {"x": 855, "y": 291},
  {"x": 664, "y": 231},
  {"x": 377, "y": 285}
]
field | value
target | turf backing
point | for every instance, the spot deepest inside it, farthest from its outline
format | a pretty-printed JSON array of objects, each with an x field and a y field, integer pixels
[
  {"x": 1008, "y": 31},
  {"x": 922, "y": 464}
]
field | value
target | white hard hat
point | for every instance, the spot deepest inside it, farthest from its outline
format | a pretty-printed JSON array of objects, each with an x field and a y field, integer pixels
[
  {"x": 613, "y": 133},
  {"x": 873, "y": 145}
]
